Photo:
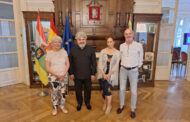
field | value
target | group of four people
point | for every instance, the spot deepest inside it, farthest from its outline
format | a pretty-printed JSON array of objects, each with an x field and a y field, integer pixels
[{"x": 81, "y": 66}]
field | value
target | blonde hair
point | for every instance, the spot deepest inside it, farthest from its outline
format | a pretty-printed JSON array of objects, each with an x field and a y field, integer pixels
[{"x": 55, "y": 38}]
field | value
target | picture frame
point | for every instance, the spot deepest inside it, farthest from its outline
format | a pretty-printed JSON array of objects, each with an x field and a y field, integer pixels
[
  {"x": 149, "y": 56},
  {"x": 94, "y": 13},
  {"x": 151, "y": 28}
]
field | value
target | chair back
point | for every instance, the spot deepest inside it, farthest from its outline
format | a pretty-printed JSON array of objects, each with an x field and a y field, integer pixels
[
  {"x": 175, "y": 55},
  {"x": 184, "y": 56}
]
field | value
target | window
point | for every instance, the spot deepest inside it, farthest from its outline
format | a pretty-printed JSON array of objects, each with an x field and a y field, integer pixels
[
  {"x": 8, "y": 47},
  {"x": 178, "y": 42}
]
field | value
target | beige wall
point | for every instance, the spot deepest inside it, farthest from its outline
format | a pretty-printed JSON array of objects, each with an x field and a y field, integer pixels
[
  {"x": 36, "y": 5},
  {"x": 148, "y": 6}
]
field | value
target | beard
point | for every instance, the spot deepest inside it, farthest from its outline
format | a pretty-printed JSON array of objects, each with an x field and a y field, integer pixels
[{"x": 82, "y": 45}]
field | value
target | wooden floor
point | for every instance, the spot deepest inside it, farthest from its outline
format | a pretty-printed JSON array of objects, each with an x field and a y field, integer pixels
[{"x": 168, "y": 101}]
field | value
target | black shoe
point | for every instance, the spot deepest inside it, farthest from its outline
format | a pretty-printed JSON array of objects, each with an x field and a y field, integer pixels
[
  {"x": 78, "y": 107},
  {"x": 133, "y": 115},
  {"x": 88, "y": 106},
  {"x": 119, "y": 110}
]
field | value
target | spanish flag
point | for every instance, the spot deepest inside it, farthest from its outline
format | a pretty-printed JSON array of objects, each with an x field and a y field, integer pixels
[
  {"x": 52, "y": 32},
  {"x": 40, "y": 47}
]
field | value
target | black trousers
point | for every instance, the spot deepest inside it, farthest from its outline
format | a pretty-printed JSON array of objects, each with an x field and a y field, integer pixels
[{"x": 79, "y": 83}]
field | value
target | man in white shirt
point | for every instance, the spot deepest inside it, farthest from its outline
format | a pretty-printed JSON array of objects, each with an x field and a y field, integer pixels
[{"x": 131, "y": 59}]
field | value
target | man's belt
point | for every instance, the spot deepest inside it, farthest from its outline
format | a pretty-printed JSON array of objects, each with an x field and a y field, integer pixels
[{"x": 129, "y": 68}]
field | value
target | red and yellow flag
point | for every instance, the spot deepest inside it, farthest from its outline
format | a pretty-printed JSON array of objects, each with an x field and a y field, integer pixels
[{"x": 52, "y": 31}]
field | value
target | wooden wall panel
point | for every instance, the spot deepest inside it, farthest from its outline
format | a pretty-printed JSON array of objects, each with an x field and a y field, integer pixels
[{"x": 113, "y": 19}]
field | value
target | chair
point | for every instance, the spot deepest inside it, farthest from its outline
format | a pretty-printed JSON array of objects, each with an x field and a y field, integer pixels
[
  {"x": 175, "y": 58},
  {"x": 183, "y": 60}
]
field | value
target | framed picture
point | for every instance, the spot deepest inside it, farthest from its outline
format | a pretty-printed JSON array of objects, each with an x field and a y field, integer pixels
[
  {"x": 94, "y": 12},
  {"x": 149, "y": 56},
  {"x": 151, "y": 28}
]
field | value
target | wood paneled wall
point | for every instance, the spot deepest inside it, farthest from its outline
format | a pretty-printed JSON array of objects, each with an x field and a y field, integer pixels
[{"x": 114, "y": 16}]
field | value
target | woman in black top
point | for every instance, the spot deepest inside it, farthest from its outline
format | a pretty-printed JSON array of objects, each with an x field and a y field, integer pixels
[{"x": 108, "y": 72}]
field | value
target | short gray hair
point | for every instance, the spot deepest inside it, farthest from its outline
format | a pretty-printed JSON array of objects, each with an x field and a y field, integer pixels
[
  {"x": 80, "y": 34},
  {"x": 55, "y": 38}
]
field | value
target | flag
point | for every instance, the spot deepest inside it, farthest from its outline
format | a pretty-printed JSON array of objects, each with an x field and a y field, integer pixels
[
  {"x": 40, "y": 47},
  {"x": 130, "y": 22},
  {"x": 52, "y": 32},
  {"x": 67, "y": 37}
]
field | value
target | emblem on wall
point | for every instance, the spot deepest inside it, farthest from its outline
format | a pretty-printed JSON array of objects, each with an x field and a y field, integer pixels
[{"x": 95, "y": 11}]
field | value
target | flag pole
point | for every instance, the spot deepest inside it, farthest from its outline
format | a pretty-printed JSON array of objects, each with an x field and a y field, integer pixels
[
  {"x": 42, "y": 93},
  {"x": 67, "y": 42},
  {"x": 40, "y": 72}
]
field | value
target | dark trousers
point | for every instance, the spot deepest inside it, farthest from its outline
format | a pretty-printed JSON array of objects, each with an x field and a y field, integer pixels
[{"x": 79, "y": 83}]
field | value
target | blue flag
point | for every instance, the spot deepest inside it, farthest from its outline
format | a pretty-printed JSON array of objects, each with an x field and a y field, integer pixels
[{"x": 67, "y": 37}]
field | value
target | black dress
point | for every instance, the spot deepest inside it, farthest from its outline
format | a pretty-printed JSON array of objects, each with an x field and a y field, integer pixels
[{"x": 104, "y": 84}]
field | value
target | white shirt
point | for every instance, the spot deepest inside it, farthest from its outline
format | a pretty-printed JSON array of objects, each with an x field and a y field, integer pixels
[
  {"x": 132, "y": 55},
  {"x": 57, "y": 60}
]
